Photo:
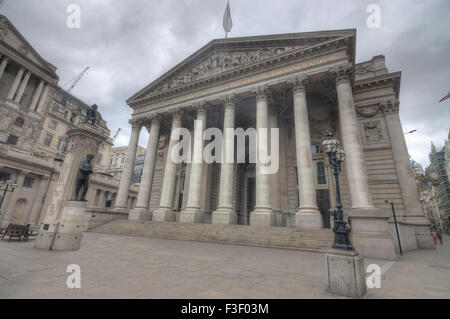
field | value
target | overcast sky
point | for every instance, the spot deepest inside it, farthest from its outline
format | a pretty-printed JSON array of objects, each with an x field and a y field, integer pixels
[{"x": 128, "y": 44}]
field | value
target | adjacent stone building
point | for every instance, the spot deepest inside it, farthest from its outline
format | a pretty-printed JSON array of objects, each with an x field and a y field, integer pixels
[
  {"x": 35, "y": 115},
  {"x": 437, "y": 163},
  {"x": 303, "y": 84},
  {"x": 116, "y": 160}
]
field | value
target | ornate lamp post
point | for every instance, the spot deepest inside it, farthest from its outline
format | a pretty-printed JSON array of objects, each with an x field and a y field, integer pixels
[
  {"x": 7, "y": 186},
  {"x": 336, "y": 156}
]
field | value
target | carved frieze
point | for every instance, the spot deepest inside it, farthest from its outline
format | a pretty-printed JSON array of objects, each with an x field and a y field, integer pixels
[
  {"x": 369, "y": 111},
  {"x": 221, "y": 62},
  {"x": 373, "y": 132}
]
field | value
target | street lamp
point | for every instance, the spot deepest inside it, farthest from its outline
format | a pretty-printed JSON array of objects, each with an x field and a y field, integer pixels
[
  {"x": 336, "y": 156},
  {"x": 410, "y": 132},
  {"x": 7, "y": 186}
]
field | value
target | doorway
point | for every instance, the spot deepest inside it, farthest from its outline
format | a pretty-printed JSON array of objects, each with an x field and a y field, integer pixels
[{"x": 323, "y": 203}]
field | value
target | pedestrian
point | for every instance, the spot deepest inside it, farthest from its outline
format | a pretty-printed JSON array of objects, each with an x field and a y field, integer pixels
[
  {"x": 433, "y": 233},
  {"x": 439, "y": 235}
]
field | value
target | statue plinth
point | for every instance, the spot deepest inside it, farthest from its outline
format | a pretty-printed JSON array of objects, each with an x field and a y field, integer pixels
[{"x": 64, "y": 220}]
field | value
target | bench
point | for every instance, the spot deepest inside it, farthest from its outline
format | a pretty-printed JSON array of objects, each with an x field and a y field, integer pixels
[{"x": 19, "y": 231}]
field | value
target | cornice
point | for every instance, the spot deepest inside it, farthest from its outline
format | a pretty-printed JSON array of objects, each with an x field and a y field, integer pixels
[{"x": 379, "y": 82}]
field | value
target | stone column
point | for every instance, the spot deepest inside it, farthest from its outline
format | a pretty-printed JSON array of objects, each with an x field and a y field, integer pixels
[
  {"x": 370, "y": 227},
  {"x": 3, "y": 65},
  {"x": 22, "y": 87},
  {"x": 39, "y": 201},
  {"x": 263, "y": 214},
  {"x": 414, "y": 227},
  {"x": 192, "y": 213},
  {"x": 130, "y": 158},
  {"x": 43, "y": 99},
  {"x": 165, "y": 211},
  {"x": 357, "y": 176},
  {"x": 225, "y": 213},
  {"x": 307, "y": 215},
  {"x": 142, "y": 205},
  {"x": 15, "y": 85},
  {"x": 275, "y": 193},
  {"x": 13, "y": 198},
  {"x": 36, "y": 96}
]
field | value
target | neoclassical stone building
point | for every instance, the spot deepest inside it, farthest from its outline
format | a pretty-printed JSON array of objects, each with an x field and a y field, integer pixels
[
  {"x": 35, "y": 115},
  {"x": 303, "y": 84}
]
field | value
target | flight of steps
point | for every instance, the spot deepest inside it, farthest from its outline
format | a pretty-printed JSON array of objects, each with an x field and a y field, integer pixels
[{"x": 276, "y": 237}]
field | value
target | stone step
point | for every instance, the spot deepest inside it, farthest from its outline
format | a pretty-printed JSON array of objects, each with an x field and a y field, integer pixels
[{"x": 275, "y": 237}]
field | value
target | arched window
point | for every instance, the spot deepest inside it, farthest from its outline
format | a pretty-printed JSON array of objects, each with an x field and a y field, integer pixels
[
  {"x": 19, "y": 122},
  {"x": 321, "y": 174}
]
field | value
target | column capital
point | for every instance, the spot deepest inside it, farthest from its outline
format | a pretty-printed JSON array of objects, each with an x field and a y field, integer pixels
[
  {"x": 176, "y": 114},
  {"x": 229, "y": 101},
  {"x": 152, "y": 120},
  {"x": 136, "y": 123},
  {"x": 342, "y": 73},
  {"x": 263, "y": 93},
  {"x": 298, "y": 83},
  {"x": 155, "y": 119},
  {"x": 201, "y": 107}
]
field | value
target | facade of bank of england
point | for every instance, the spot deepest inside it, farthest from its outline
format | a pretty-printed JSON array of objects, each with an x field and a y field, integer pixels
[{"x": 303, "y": 84}]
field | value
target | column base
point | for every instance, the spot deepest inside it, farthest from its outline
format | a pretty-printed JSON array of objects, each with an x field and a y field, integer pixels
[
  {"x": 191, "y": 216},
  {"x": 164, "y": 215},
  {"x": 262, "y": 217},
  {"x": 308, "y": 218},
  {"x": 140, "y": 214},
  {"x": 371, "y": 234},
  {"x": 224, "y": 217},
  {"x": 346, "y": 274},
  {"x": 66, "y": 235}
]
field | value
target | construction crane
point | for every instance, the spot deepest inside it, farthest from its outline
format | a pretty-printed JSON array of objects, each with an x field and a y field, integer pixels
[
  {"x": 115, "y": 135},
  {"x": 78, "y": 78}
]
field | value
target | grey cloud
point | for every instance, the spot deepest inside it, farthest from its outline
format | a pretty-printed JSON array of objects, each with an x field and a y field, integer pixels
[{"x": 128, "y": 44}]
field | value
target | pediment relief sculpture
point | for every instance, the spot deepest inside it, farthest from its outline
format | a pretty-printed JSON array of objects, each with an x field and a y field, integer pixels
[{"x": 220, "y": 62}]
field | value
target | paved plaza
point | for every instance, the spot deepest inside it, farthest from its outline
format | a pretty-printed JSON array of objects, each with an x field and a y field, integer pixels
[{"x": 114, "y": 266}]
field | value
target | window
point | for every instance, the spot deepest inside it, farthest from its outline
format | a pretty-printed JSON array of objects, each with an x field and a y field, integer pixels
[
  {"x": 12, "y": 140},
  {"x": 316, "y": 149},
  {"x": 72, "y": 118},
  {"x": 28, "y": 182},
  {"x": 62, "y": 144},
  {"x": 99, "y": 158},
  {"x": 19, "y": 122},
  {"x": 52, "y": 125},
  {"x": 48, "y": 139},
  {"x": 321, "y": 174},
  {"x": 4, "y": 177}
]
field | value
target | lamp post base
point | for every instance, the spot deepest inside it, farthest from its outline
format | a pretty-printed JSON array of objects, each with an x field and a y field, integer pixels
[{"x": 346, "y": 275}]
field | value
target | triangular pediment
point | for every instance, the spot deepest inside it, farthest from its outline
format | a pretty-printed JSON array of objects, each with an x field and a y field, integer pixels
[
  {"x": 13, "y": 40},
  {"x": 227, "y": 55}
]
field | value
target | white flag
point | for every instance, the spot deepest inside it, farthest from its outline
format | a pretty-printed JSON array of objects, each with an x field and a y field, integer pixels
[{"x": 227, "y": 22}]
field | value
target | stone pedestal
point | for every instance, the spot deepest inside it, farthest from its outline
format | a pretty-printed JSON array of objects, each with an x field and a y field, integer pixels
[
  {"x": 263, "y": 218},
  {"x": 65, "y": 219},
  {"x": 308, "y": 220},
  {"x": 65, "y": 234},
  {"x": 140, "y": 214},
  {"x": 224, "y": 217},
  {"x": 164, "y": 215},
  {"x": 191, "y": 216},
  {"x": 371, "y": 234},
  {"x": 346, "y": 274}
]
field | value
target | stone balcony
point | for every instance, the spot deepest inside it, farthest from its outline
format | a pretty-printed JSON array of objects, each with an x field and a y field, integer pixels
[{"x": 29, "y": 157}]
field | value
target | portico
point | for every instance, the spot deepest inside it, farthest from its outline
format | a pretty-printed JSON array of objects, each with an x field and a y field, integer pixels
[{"x": 301, "y": 84}]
